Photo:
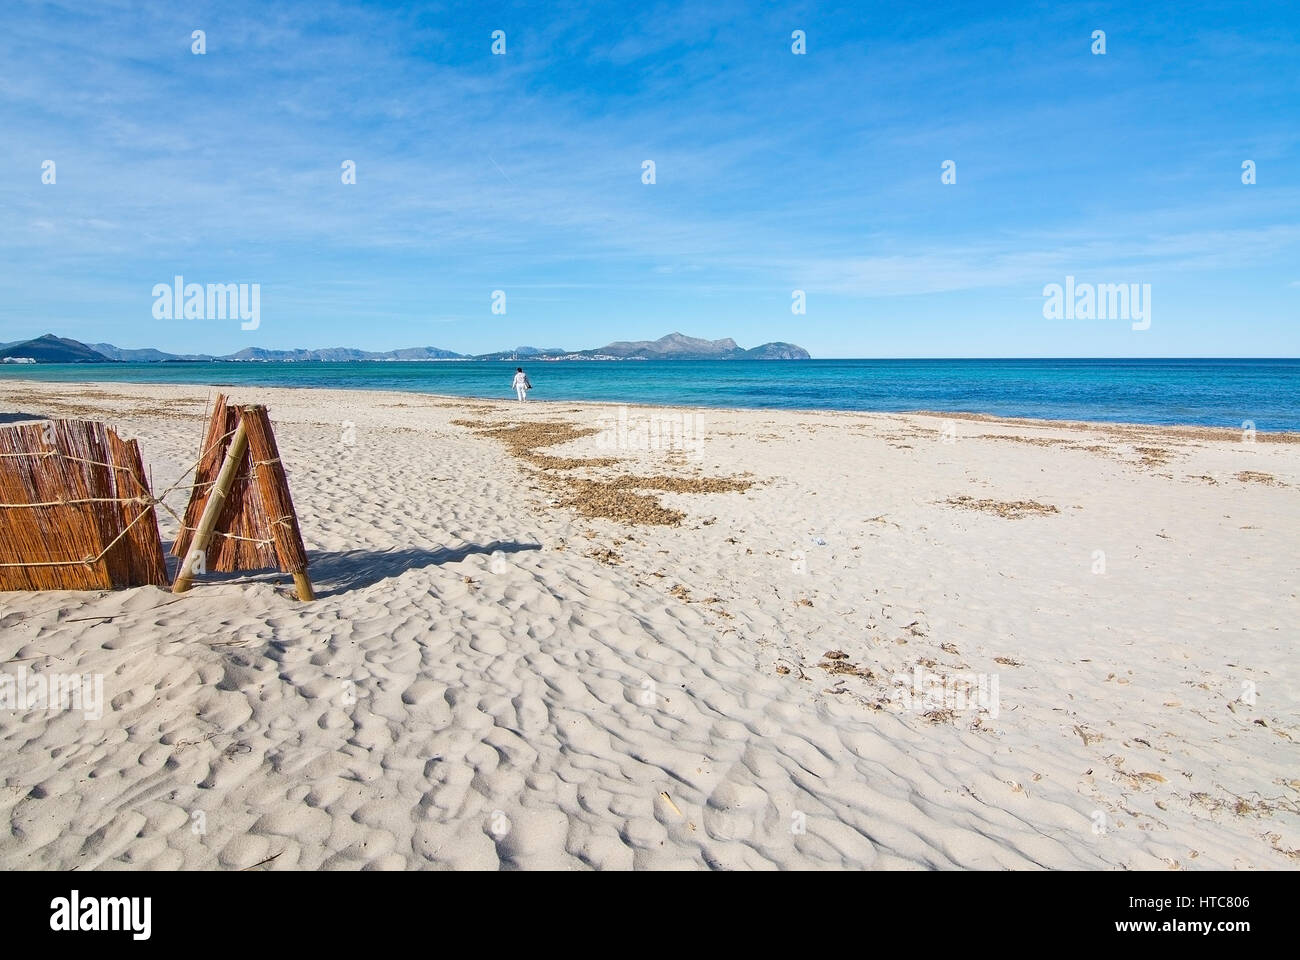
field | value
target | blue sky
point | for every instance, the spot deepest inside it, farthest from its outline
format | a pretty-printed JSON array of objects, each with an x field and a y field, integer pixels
[{"x": 774, "y": 172}]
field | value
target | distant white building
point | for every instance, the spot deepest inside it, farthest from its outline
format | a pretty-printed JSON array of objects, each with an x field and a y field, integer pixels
[{"x": 19, "y": 360}]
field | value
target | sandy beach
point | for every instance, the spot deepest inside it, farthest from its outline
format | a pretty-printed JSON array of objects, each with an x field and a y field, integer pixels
[{"x": 557, "y": 635}]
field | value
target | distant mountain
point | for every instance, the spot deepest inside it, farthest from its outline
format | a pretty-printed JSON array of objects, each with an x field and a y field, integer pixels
[
  {"x": 147, "y": 355},
  {"x": 418, "y": 353},
  {"x": 340, "y": 355},
  {"x": 52, "y": 349},
  {"x": 524, "y": 353},
  {"x": 777, "y": 351},
  {"x": 677, "y": 346},
  {"x": 674, "y": 346},
  {"x": 328, "y": 355}
]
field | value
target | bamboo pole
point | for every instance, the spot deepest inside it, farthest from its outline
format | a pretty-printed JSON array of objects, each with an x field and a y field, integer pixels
[
  {"x": 303, "y": 583},
  {"x": 212, "y": 509}
]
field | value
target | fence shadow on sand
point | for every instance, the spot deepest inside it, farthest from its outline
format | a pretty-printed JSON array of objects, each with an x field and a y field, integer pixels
[
  {"x": 338, "y": 572},
  {"x": 344, "y": 570}
]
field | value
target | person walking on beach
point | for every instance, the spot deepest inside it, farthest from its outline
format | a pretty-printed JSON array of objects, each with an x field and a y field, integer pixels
[{"x": 521, "y": 384}]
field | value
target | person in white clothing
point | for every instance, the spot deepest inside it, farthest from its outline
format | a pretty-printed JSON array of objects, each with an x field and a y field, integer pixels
[{"x": 521, "y": 384}]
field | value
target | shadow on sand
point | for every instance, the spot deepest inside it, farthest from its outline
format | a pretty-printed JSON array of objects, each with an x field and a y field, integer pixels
[
  {"x": 344, "y": 570},
  {"x": 337, "y": 572},
  {"x": 20, "y": 417}
]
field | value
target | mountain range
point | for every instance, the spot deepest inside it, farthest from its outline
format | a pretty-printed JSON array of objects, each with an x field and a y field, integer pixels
[
  {"x": 674, "y": 346},
  {"x": 52, "y": 349}
]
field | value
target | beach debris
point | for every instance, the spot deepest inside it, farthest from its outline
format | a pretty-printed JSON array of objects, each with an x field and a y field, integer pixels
[
  {"x": 611, "y": 499},
  {"x": 595, "y": 499},
  {"x": 616, "y": 499},
  {"x": 1153, "y": 456},
  {"x": 261, "y": 863},
  {"x": 1136, "y": 779},
  {"x": 680, "y": 484},
  {"x": 1032, "y": 440},
  {"x": 1088, "y": 736},
  {"x": 1255, "y": 476},
  {"x": 76, "y": 512},
  {"x": 839, "y": 665},
  {"x": 1010, "y": 510},
  {"x": 663, "y": 795},
  {"x": 524, "y": 439},
  {"x": 240, "y": 515}
]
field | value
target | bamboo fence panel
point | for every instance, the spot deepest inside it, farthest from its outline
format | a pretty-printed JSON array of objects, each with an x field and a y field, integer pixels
[
  {"x": 76, "y": 512},
  {"x": 273, "y": 491},
  {"x": 256, "y": 527},
  {"x": 243, "y": 539}
]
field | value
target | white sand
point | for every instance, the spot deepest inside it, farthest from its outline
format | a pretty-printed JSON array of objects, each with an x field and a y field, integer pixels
[{"x": 434, "y": 708}]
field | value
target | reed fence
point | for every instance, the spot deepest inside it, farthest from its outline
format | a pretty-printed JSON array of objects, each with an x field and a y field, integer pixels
[{"x": 76, "y": 512}]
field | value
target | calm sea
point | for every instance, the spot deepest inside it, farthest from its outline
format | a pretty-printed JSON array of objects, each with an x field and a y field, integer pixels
[{"x": 1222, "y": 393}]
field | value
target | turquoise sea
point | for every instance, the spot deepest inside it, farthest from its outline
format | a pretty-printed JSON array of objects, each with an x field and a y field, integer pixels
[{"x": 1221, "y": 393}]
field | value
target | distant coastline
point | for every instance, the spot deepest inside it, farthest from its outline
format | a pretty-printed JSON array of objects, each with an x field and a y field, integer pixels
[{"x": 674, "y": 346}]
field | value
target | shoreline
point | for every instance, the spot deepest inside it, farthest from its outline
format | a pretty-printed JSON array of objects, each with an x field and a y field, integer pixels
[{"x": 1183, "y": 430}]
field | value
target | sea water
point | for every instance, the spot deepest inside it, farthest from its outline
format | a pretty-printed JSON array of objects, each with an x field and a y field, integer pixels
[{"x": 1229, "y": 393}]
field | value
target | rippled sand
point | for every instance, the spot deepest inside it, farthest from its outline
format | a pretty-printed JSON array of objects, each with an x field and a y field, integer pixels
[{"x": 491, "y": 678}]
